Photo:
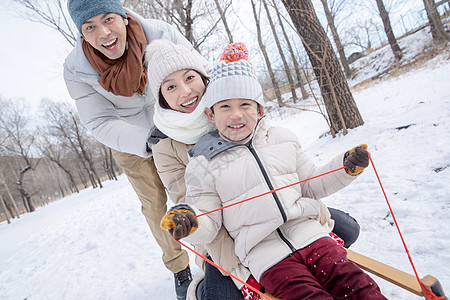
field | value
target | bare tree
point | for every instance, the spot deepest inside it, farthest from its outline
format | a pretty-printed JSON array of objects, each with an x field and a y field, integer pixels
[
  {"x": 437, "y": 29},
  {"x": 266, "y": 56},
  {"x": 359, "y": 34},
  {"x": 108, "y": 162},
  {"x": 66, "y": 125},
  {"x": 224, "y": 19},
  {"x": 18, "y": 140},
  {"x": 183, "y": 14},
  {"x": 147, "y": 9},
  {"x": 281, "y": 52},
  {"x": 52, "y": 14},
  {"x": 337, "y": 40},
  {"x": 341, "y": 107},
  {"x": 291, "y": 51},
  {"x": 55, "y": 151},
  {"x": 5, "y": 209},
  {"x": 398, "y": 54},
  {"x": 7, "y": 181}
]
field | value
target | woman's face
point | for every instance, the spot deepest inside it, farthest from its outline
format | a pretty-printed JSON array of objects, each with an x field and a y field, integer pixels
[{"x": 183, "y": 90}]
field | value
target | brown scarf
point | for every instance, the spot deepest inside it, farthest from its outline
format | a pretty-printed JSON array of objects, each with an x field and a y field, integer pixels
[{"x": 126, "y": 75}]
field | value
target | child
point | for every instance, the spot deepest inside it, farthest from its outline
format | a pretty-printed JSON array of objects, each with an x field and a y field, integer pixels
[{"x": 278, "y": 236}]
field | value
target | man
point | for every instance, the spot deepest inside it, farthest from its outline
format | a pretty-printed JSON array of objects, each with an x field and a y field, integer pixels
[{"x": 106, "y": 76}]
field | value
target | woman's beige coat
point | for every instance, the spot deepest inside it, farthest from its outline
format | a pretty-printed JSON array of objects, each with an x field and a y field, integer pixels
[{"x": 171, "y": 159}]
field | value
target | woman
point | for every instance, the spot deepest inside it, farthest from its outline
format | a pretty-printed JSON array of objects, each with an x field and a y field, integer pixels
[{"x": 178, "y": 80}]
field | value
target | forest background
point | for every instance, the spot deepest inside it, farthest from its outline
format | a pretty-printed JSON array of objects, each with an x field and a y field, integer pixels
[{"x": 46, "y": 153}]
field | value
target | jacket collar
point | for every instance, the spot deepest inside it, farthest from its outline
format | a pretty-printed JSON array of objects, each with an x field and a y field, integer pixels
[{"x": 212, "y": 143}]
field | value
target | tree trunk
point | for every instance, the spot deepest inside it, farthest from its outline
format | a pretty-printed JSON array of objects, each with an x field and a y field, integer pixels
[
  {"x": 224, "y": 20},
  {"x": 90, "y": 169},
  {"x": 388, "y": 29},
  {"x": 8, "y": 191},
  {"x": 185, "y": 19},
  {"x": 26, "y": 197},
  {"x": 266, "y": 57},
  {"x": 111, "y": 164},
  {"x": 5, "y": 209},
  {"x": 337, "y": 39},
  {"x": 437, "y": 29},
  {"x": 300, "y": 80},
  {"x": 280, "y": 50},
  {"x": 341, "y": 107}
]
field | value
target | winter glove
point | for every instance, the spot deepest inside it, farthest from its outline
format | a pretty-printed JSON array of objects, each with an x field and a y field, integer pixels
[
  {"x": 325, "y": 215},
  {"x": 356, "y": 159},
  {"x": 155, "y": 136},
  {"x": 180, "y": 221}
]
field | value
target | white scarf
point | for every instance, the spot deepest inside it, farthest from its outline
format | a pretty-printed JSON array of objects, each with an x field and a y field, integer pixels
[{"x": 186, "y": 128}]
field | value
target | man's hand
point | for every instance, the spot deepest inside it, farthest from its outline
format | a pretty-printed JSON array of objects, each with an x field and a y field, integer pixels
[
  {"x": 356, "y": 159},
  {"x": 180, "y": 221}
]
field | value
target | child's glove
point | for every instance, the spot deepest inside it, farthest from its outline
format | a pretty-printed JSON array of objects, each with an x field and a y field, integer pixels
[
  {"x": 180, "y": 221},
  {"x": 356, "y": 159}
]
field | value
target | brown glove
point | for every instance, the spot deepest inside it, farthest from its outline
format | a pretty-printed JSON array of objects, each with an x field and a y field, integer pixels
[
  {"x": 180, "y": 221},
  {"x": 356, "y": 159}
]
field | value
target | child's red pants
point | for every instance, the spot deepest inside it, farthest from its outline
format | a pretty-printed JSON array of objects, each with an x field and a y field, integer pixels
[{"x": 319, "y": 271}]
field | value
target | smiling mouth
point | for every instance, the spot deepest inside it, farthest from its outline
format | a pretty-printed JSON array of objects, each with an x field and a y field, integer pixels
[
  {"x": 189, "y": 103},
  {"x": 236, "y": 126},
  {"x": 110, "y": 45}
]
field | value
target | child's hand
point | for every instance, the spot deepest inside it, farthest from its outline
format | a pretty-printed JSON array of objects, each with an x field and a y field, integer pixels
[
  {"x": 356, "y": 159},
  {"x": 180, "y": 221}
]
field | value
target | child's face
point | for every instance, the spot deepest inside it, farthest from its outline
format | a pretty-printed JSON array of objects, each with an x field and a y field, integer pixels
[
  {"x": 235, "y": 118},
  {"x": 183, "y": 90}
]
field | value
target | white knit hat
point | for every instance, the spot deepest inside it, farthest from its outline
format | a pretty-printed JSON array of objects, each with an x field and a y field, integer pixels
[
  {"x": 163, "y": 58},
  {"x": 233, "y": 77}
]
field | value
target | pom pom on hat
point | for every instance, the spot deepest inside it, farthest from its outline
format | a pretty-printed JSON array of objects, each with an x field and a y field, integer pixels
[
  {"x": 234, "y": 52},
  {"x": 233, "y": 77}
]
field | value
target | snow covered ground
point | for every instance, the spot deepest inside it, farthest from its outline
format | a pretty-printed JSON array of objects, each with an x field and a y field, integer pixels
[{"x": 96, "y": 244}]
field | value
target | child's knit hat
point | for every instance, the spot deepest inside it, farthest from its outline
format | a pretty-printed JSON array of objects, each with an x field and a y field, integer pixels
[
  {"x": 164, "y": 58},
  {"x": 233, "y": 77},
  {"x": 82, "y": 10}
]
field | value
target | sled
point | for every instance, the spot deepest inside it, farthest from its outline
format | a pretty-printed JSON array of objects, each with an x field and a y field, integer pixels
[{"x": 395, "y": 276}]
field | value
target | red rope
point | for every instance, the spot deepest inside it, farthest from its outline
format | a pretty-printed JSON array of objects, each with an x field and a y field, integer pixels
[
  {"x": 428, "y": 294},
  {"x": 269, "y": 192},
  {"x": 229, "y": 274}
]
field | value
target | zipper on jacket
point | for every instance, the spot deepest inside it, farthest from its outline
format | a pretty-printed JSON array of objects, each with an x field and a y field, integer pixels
[
  {"x": 274, "y": 194},
  {"x": 266, "y": 178}
]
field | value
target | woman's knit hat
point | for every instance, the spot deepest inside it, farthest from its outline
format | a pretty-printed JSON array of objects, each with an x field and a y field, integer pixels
[
  {"x": 164, "y": 58},
  {"x": 233, "y": 77},
  {"x": 82, "y": 10}
]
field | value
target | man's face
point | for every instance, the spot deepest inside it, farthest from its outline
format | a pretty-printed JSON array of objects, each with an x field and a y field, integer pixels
[
  {"x": 235, "y": 118},
  {"x": 107, "y": 33}
]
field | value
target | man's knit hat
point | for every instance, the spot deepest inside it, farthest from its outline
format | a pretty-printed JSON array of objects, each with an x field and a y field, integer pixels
[
  {"x": 82, "y": 10},
  {"x": 233, "y": 77},
  {"x": 164, "y": 58}
]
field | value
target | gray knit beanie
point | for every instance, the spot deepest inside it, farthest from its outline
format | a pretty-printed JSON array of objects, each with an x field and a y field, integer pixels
[
  {"x": 82, "y": 10},
  {"x": 163, "y": 58},
  {"x": 233, "y": 77}
]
